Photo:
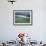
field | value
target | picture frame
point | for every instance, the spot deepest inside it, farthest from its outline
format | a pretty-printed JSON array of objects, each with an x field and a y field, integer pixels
[{"x": 22, "y": 17}]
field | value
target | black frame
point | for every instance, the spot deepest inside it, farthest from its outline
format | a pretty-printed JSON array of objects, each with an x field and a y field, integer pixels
[{"x": 23, "y": 10}]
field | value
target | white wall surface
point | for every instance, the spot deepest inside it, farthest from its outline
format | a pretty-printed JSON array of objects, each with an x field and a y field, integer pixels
[{"x": 38, "y": 30}]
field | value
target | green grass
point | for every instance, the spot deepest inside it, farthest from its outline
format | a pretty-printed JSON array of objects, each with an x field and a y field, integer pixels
[{"x": 22, "y": 20}]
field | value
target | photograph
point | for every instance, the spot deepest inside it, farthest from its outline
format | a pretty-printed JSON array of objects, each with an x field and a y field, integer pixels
[{"x": 22, "y": 16}]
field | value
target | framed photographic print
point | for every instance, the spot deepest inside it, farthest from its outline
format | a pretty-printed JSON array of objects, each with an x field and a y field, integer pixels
[{"x": 22, "y": 17}]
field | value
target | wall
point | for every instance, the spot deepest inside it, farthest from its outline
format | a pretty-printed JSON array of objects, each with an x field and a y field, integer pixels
[{"x": 38, "y": 30}]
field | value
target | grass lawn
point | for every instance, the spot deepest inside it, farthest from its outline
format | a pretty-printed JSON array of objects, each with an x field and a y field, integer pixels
[{"x": 22, "y": 20}]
